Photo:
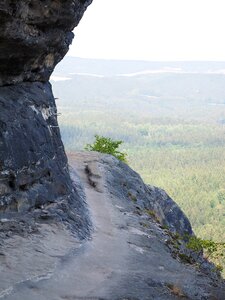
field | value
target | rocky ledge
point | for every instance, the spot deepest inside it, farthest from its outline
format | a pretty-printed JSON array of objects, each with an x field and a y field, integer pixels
[{"x": 131, "y": 254}]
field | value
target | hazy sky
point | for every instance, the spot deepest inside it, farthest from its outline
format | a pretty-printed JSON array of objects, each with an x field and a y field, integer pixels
[{"x": 152, "y": 30}]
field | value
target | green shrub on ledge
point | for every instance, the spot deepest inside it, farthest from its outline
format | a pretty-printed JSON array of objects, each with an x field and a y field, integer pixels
[{"x": 108, "y": 146}]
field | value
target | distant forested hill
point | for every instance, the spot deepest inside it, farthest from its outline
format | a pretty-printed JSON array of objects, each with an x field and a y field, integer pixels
[{"x": 171, "y": 116}]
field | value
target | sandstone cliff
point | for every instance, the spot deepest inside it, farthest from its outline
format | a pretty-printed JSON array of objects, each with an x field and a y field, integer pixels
[
  {"x": 35, "y": 36},
  {"x": 92, "y": 231},
  {"x": 34, "y": 178}
]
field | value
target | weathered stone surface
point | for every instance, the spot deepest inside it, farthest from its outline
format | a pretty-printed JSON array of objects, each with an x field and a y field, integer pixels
[
  {"x": 125, "y": 181},
  {"x": 34, "y": 174},
  {"x": 35, "y": 36},
  {"x": 34, "y": 177},
  {"x": 129, "y": 256}
]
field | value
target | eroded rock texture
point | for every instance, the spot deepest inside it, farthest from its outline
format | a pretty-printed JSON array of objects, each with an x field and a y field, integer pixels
[
  {"x": 35, "y": 35},
  {"x": 34, "y": 176},
  {"x": 125, "y": 183}
]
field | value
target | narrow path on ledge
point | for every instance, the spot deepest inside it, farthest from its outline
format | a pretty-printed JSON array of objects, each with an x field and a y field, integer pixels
[{"x": 123, "y": 260}]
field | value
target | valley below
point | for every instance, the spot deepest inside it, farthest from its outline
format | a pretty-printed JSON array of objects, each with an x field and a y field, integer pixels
[{"x": 171, "y": 118}]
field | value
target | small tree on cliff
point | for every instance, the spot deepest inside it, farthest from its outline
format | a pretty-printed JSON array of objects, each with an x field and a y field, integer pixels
[{"x": 107, "y": 145}]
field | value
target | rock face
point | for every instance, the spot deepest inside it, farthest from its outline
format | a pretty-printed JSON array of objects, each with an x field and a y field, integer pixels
[
  {"x": 34, "y": 176},
  {"x": 155, "y": 201},
  {"x": 35, "y": 36},
  {"x": 33, "y": 165}
]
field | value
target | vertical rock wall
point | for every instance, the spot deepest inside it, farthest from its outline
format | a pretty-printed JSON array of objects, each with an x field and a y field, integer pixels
[{"x": 34, "y": 175}]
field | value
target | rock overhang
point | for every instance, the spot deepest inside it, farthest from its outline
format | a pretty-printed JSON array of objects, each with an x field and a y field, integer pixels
[
  {"x": 35, "y": 183},
  {"x": 35, "y": 36}
]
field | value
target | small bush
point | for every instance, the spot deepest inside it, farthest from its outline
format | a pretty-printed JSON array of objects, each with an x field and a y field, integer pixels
[
  {"x": 195, "y": 244},
  {"x": 209, "y": 246},
  {"x": 212, "y": 250},
  {"x": 108, "y": 146}
]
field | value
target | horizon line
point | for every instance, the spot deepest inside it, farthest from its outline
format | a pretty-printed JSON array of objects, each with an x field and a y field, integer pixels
[{"x": 144, "y": 60}]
